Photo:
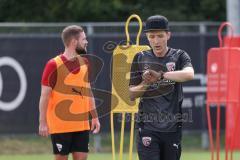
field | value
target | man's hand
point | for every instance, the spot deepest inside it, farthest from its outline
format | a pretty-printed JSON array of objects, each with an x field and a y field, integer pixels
[
  {"x": 43, "y": 129},
  {"x": 95, "y": 127},
  {"x": 151, "y": 76}
]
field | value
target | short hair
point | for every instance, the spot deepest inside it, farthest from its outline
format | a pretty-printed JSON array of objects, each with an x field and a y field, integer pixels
[{"x": 71, "y": 32}]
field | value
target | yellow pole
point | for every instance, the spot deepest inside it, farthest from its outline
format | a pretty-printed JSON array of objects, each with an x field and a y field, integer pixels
[
  {"x": 131, "y": 136},
  {"x": 122, "y": 136},
  {"x": 124, "y": 112},
  {"x": 139, "y": 31},
  {"x": 113, "y": 137},
  {"x": 128, "y": 43}
]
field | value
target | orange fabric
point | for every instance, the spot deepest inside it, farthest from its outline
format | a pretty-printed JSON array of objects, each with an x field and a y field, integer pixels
[{"x": 69, "y": 104}]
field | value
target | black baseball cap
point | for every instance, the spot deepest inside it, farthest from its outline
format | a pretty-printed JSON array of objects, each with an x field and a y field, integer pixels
[{"x": 156, "y": 22}]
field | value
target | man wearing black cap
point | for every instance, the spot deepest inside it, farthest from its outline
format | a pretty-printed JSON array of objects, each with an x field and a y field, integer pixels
[{"x": 156, "y": 77}]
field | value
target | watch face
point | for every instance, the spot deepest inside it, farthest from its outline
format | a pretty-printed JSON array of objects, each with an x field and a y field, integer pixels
[{"x": 161, "y": 87}]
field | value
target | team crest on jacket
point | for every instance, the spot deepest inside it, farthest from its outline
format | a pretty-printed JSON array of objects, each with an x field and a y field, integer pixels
[
  {"x": 146, "y": 141},
  {"x": 170, "y": 66}
]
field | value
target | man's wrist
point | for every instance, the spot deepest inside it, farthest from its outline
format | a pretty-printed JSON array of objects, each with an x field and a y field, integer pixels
[
  {"x": 145, "y": 84},
  {"x": 42, "y": 121},
  {"x": 96, "y": 118},
  {"x": 161, "y": 75},
  {"x": 94, "y": 113}
]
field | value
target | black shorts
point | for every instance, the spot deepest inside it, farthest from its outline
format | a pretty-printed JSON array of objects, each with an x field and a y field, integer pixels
[
  {"x": 65, "y": 143},
  {"x": 152, "y": 145}
]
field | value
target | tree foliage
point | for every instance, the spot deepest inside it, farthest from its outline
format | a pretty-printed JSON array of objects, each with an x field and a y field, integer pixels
[{"x": 109, "y": 10}]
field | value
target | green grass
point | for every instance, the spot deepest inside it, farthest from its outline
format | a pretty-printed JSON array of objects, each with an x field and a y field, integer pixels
[
  {"x": 33, "y": 147},
  {"x": 203, "y": 155},
  {"x": 34, "y": 144}
]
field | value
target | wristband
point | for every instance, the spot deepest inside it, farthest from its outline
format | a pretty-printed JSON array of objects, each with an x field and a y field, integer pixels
[{"x": 161, "y": 76}]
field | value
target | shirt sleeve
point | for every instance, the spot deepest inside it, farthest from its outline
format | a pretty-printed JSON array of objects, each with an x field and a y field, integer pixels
[
  {"x": 49, "y": 76},
  {"x": 185, "y": 60},
  {"x": 135, "y": 73}
]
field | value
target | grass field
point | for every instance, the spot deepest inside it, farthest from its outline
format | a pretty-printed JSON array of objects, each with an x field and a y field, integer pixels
[
  {"x": 33, "y": 147},
  {"x": 107, "y": 156}
]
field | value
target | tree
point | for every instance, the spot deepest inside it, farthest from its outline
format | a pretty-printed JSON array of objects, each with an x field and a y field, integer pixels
[{"x": 110, "y": 10}]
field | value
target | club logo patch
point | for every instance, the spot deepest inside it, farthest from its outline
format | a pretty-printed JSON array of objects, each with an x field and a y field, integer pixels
[
  {"x": 170, "y": 66},
  {"x": 146, "y": 141},
  {"x": 59, "y": 147}
]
